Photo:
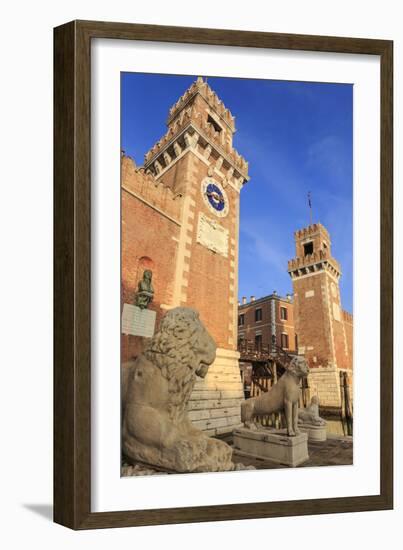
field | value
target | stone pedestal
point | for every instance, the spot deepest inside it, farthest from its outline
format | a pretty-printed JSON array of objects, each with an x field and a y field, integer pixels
[
  {"x": 273, "y": 445},
  {"x": 314, "y": 432}
]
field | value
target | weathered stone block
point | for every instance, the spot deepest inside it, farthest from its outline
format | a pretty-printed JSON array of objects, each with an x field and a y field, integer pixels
[
  {"x": 273, "y": 445},
  {"x": 315, "y": 433}
]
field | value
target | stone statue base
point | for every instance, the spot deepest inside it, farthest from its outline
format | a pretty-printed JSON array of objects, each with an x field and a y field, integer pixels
[
  {"x": 273, "y": 445},
  {"x": 315, "y": 433}
]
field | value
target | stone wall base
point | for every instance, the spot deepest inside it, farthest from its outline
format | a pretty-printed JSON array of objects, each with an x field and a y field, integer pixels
[
  {"x": 325, "y": 383},
  {"x": 215, "y": 403}
]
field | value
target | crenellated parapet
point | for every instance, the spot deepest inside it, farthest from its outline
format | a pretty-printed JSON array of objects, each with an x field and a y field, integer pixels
[
  {"x": 313, "y": 252},
  {"x": 311, "y": 231},
  {"x": 199, "y": 122},
  {"x": 201, "y": 88},
  {"x": 143, "y": 185},
  {"x": 314, "y": 262},
  {"x": 347, "y": 317}
]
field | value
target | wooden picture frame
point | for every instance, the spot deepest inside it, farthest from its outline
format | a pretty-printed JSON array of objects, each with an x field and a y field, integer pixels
[{"x": 72, "y": 272}]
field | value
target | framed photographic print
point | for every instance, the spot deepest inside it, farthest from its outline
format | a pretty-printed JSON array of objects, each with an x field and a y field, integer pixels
[{"x": 223, "y": 275}]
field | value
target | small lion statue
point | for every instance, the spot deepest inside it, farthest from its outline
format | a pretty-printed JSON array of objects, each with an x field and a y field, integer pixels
[
  {"x": 310, "y": 415},
  {"x": 156, "y": 389},
  {"x": 281, "y": 397}
]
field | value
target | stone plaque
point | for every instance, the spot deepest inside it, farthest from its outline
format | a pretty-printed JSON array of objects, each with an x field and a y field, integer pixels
[
  {"x": 138, "y": 322},
  {"x": 212, "y": 235}
]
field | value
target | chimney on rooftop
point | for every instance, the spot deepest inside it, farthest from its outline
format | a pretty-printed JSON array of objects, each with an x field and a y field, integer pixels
[
  {"x": 252, "y": 298},
  {"x": 243, "y": 300}
]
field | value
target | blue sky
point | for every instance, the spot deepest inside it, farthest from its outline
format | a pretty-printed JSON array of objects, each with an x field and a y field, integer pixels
[{"x": 297, "y": 137}]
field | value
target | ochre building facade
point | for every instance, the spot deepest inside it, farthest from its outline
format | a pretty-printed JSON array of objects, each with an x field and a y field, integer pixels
[
  {"x": 267, "y": 320},
  {"x": 180, "y": 219}
]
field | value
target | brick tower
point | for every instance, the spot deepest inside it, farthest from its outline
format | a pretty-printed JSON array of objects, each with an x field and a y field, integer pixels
[
  {"x": 194, "y": 252},
  {"x": 323, "y": 329}
]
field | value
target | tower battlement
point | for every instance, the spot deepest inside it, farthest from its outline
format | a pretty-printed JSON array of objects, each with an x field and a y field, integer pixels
[
  {"x": 146, "y": 188},
  {"x": 311, "y": 231},
  {"x": 199, "y": 122},
  {"x": 209, "y": 96},
  {"x": 313, "y": 252}
]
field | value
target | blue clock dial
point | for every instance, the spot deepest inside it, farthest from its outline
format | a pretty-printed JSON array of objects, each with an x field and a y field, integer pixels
[{"x": 215, "y": 197}]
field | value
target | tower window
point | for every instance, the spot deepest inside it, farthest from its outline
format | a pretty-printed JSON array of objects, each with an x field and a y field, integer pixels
[
  {"x": 214, "y": 124},
  {"x": 308, "y": 248},
  {"x": 258, "y": 314}
]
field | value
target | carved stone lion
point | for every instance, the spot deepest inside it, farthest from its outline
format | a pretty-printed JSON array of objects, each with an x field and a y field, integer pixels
[
  {"x": 281, "y": 397},
  {"x": 156, "y": 388},
  {"x": 310, "y": 415}
]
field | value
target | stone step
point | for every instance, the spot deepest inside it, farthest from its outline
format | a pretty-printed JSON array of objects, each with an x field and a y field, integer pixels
[
  {"x": 218, "y": 413},
  {"x": 231, "y": 394},
  {"x": 218, "y": 385},
  {"x": 214, "y": 413},
  {"x": 212, "y": 404}
]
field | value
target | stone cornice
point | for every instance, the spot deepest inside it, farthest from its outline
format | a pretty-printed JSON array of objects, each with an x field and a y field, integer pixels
[
  {"x": 318, "y": 269},
  {"x": 190, "y": 130}
]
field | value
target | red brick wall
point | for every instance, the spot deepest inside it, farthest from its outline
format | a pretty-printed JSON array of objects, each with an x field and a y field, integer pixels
[
  {"x": 147, "y": 243},
  {"x": 146, "y": 233},
  {"x": 348, "y": 327},
  {"x": 208, "y": 277},
  {"x": 316, "y": 325},
  {"x": 312, "y": 320}
]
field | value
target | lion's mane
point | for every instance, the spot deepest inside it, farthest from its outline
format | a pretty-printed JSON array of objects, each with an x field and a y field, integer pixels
[{"x": 173, "y": 350}]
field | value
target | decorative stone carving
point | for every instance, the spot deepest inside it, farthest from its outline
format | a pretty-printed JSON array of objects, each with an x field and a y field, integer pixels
[
  {"x": 145, "y": 293},
  {"x": 167, "y": 157},
  {"x": 219, "y": 162},
  {"x": 156, "y": 389},
  {"x": 311, "y": 423},
  {"x": 177, "y": 148},
  {"x": 281, "y": 397},
  {"x": 212, "y": 235},
  {"x": 207, "y": 153},
  {"x": 310, "y": 415}
]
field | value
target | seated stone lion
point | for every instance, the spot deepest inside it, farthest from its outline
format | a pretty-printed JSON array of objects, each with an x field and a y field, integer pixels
[
  {"x": 281, "y": 397},
  {"x": 310, "y": 415},
  {"x": 156, "y": 388}
]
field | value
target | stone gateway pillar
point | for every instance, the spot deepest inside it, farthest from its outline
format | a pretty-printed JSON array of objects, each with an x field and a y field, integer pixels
[{"x": 187, "y": 194}]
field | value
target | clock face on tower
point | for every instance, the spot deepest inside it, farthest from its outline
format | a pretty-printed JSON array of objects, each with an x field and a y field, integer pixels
[{"x": 215, "y": 197}]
